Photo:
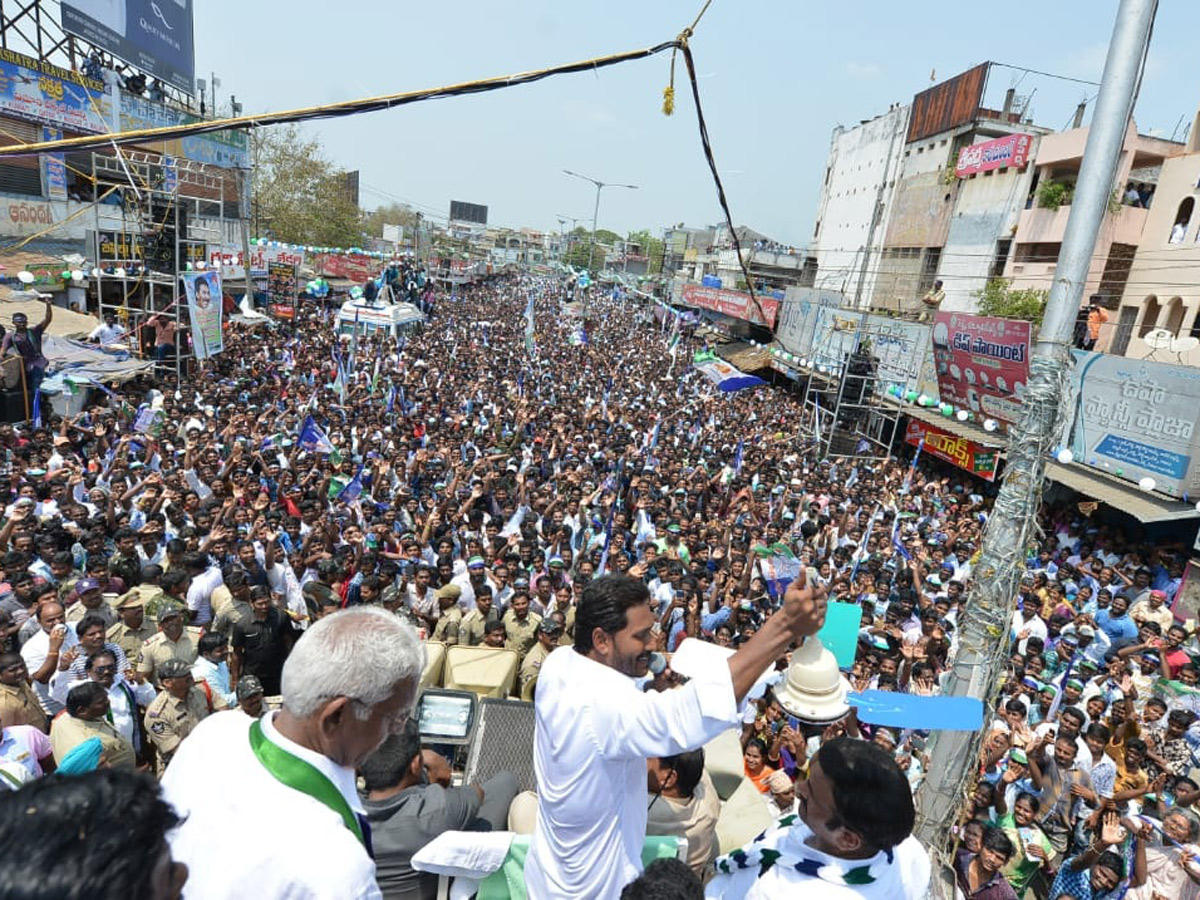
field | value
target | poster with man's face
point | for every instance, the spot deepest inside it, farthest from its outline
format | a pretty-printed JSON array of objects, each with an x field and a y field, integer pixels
[{"x": 203, "y": 291}]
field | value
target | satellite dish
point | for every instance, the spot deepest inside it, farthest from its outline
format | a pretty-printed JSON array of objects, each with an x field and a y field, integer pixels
[
  {"x": 1159, "y": 339},
  {"x": 1184, "y": 344}
]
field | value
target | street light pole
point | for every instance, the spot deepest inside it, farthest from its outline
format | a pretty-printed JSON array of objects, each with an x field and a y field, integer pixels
[{"x": 600, "y": 185}]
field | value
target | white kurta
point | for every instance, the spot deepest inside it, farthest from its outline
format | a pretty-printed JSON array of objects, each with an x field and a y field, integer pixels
[
  {"x": 246, "y": 834},
  {"x": 595, "y": 731}
]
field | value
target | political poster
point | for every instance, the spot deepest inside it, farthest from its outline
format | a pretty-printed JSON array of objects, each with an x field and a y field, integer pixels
[
  {"x": 966, "y": 454},
  {"x": 1136, "y": 420},
  {"x": 203, "y": 291},
  {"x": 281, "y": 289},
  {"x": 982, "y": 363},
  {"x": 53, "y": 168}
]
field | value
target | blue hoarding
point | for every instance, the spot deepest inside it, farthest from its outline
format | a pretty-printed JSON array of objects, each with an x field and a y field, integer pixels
[{"x": 43, "y": 93}]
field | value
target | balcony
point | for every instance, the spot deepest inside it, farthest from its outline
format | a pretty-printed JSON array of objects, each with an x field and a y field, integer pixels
[{"x": 1047, "y": 226}]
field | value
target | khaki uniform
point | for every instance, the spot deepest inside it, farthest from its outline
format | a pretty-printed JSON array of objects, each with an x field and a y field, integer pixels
[
  {"x": 233, "y": 612},
  {"x": 221, "y": 598},
  {"x": 449, "y": 627},
  {"x": 130, "y": 640},
  {"x": 568, "y": 635},
  {"x": 521, "y": 635},
  {"x": 160, "y": 648},
  {"x": 19, "y": 706},
  {"x": 76, "y": 611},
  {"x": 169, "y": 721},
  {"x": 473, "y": 627},
  {"x": 68, "y": 732},
  {"x": 530, "y": 669}
]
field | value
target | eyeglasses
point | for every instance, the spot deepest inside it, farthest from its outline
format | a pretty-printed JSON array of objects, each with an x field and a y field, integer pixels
[{"x": 102, "y": 670}]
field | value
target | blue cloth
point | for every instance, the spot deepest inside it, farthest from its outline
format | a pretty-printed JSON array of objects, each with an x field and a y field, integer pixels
[
  {"x": 82, "y": 758},
  {"x": 1078, "y": 884},
  {"x": 1121, "y": 630}
]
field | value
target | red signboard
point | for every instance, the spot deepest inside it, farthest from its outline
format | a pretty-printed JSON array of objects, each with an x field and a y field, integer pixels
[
  {"x": 966, "y": 454},
  {"x": 352, "y": 267},
  {"x": 982, "y": 363},
  {"x": 732, "y": 303},
  {"x": 1001, "y": 153}
]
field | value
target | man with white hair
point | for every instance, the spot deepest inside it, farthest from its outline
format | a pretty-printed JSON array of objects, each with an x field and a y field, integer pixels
[{"x": 287, "y": 780}]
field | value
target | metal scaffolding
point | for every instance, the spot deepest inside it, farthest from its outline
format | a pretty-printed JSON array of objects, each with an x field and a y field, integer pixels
[
  {"x": 147, "y": 235},
  {"x": 846, "y": 384}
]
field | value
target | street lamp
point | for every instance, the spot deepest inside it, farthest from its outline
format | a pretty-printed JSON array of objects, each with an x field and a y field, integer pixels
[{"x": 600, "y": 185}]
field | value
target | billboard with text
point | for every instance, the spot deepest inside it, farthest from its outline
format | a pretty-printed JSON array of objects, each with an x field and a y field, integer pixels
[
  {"x": 468, "y": 212},
  {"x": 46, "y": 94},
  {"x": 153, "y": 35},
  {"x": 982, "y": 362},
  {"x": 737, "y": 304}
]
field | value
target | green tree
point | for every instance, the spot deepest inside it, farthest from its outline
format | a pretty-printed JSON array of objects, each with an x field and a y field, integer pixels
[
  {"x": 390, "y": 214},
  {"x": 998, "y": 298},
  {"x": 579, "y": 243},
  {"x": 299, "y": 195}
]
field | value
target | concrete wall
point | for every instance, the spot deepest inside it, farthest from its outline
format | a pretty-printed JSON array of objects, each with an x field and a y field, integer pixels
[
  {"x": 860, "y": 159},
  {"x": 986, "y": 212}
]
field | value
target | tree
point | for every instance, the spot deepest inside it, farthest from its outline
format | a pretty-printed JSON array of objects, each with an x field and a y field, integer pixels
[
  {"x": 998, "y": 298},
  {"x": 299, "y": 195},
  {"x": 390, "y": 214},
  {"x": 579, "y": 249}
]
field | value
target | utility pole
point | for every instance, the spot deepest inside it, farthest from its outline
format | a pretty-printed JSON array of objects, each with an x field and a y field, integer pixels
[
  {"x": 600, "y": 185},
  {"x": 983, "y": 627}
]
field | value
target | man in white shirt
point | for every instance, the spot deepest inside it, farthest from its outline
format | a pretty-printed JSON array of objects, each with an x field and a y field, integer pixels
[
  {"x": 206, "y": 578},
  {"x": 595, "y": 731},
  {"x": 850, "y": 840},
  {"x": 41, "y": 652},
  {"x": 110, "y": 331},
  {"x": 350, "y": 681}
]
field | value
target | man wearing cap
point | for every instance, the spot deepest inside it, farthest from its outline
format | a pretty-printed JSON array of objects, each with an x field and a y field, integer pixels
[
  {"x": 250, "y": 696},
  {"x": 520, "y": 625},
  {"x": 132, "y": 631},
  {"x": 475, "y": 576},
  {"x": 173, "y": 641},
  {"x": 90, "y": 599},
  {"x": 231, "y": 602},
  {"x": 1153, "y": 609},
  {"x": 449, "y": 624},
  {"x": 177, "y": 709},
  {"x": 548, "y": 633}
]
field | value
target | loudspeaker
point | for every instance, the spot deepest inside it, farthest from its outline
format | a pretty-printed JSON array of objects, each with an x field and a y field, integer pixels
[
  {"x": 12, "y": 405},
  {"x": 503, "y": 742}
]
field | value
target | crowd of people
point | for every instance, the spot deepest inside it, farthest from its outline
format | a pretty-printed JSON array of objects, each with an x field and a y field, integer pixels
[{"x": 474, "y": 477}]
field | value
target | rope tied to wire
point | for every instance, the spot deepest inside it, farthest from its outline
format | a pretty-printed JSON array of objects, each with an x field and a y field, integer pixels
[{"x": 681, "y": 43}]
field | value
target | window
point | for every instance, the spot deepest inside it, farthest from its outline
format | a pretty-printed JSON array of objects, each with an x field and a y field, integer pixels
[
  {"x": 1150, "y": 311},
  {"x": 1183, "y": 218},
  {"x": 933, "y": 257},
  {"x": 1175, "y": 312},
  {"x": 1195, "y": 332},
  {"x": 1003, "y": 247}
]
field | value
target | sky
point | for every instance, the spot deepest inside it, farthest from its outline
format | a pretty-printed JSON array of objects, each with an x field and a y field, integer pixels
[{"x": 775, "y": 79}]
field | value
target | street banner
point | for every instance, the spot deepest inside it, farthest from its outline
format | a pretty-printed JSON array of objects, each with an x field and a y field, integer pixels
[
  {"x": 732, "y": 303},
  {"x": 203, "y": 290},
  {"x": 281, "y": 289},
  {"x": 982, "y": 363}
]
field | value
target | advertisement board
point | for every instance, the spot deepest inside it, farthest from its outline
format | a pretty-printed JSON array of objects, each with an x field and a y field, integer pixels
[
  {"x": 44, "y": 93},
  {"x": 1135, "y": 419},
  {"x": 281, "y": 289},
  {"x": 732, "y": 303},
  {"x": 350, "y": 266},
  {"x": 154, "y": 35},
  {"x": 900, "y": 348},
  {"x": 460, "y": 211},
  {"x": 982, "y": 363},
  {"x": 231, "y": 263},
  {"x": 119, "y": 247},
  {"x": 53, "y": 168},
  {"x": 203, "y": 292},
  {"x": 797, "y": 316},
  {"x": 1012, "y": 150},
  {"x": 966, "y": 454},
  {"x": 228, "y": 149}
]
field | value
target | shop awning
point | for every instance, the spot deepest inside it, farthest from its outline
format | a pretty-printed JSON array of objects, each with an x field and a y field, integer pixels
[
  {"x": 1128, "y": 498},
  {"x": 930, "y": 416},
  {"x": 744, "y": 356}
]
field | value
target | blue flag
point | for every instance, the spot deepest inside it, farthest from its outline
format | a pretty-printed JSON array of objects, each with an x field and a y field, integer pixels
[
  {"x": 737, "y": 457},
  {"x": 352, "y": 489},
  {"x": 899, "y": 544},
  {"x": 37, "y": 408},
  {"x": 313, "y": 439},
  {"x": 391, "y": 399}
]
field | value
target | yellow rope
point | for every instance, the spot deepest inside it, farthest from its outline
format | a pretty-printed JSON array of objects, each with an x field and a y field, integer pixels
[
  {"x": 668, "y": 106},
  {"x": 45, "y": 231}
]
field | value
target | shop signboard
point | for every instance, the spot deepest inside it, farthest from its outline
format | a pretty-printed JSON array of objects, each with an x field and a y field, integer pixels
[
  {"x": 49, "y": 95},
  {"x": 737, "y": 304},
  {"x": 1136, "y": 420},
  {"x": 227, "y": 149},
  {"x": 962, "y": 452},
  {"x": 351, "y": 266},
  {"x": 231, "y": 261},
  {"x": 982, "y": 363}
]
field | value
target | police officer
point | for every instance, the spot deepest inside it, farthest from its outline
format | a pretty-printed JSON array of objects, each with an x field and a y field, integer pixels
[
  {"x": 449, "y": 623},
  {"x": 548, "y": 633},
  {"x": 173, "y": 641},
  {"x": 520, "y": 624},
  {"x": 132, "y": 630},
  {"x": 177, "y": 709}
]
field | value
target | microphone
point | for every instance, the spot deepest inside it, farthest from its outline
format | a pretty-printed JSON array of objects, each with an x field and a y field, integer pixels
[{"x": 658, "y": 663}]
